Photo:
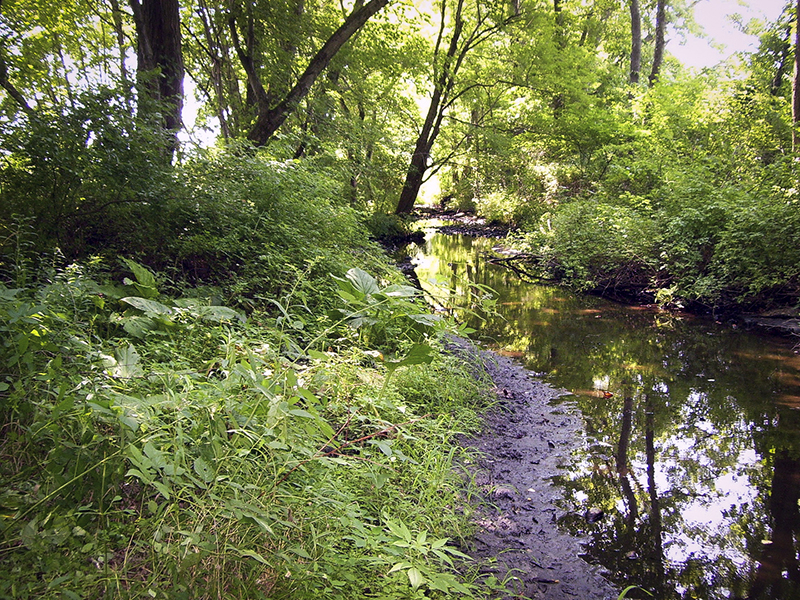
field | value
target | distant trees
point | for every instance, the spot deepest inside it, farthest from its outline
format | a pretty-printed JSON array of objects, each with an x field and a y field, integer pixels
[{"x": 463, "y": 26}]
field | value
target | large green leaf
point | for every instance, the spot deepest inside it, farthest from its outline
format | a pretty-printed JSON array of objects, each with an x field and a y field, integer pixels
[
  {"x": 139, "y": 326},
  {"x": 127, "y": 360},
  {"x": 418, "y": 355},
  {"x": 149, "y": 307},
  {"x": 400, "y": 291},
  {"x": 145, "y": 281},
  {"x": 362, "y": 281}
]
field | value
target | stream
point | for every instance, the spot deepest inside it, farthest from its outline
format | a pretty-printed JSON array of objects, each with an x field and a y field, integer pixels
[{"x": 686, "y": 479}]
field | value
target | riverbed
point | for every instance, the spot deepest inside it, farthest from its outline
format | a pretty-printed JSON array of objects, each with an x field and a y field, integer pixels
[{"x": 683, "y": 469}]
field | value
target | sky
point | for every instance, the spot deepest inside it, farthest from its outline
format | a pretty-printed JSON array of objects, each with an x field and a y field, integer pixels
[{"x": 713, "y": 16}]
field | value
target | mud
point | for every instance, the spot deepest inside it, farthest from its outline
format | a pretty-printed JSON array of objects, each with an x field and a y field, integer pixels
[
  {"x": 463, "y": 223},
  {"x": 526, "y": 440}
]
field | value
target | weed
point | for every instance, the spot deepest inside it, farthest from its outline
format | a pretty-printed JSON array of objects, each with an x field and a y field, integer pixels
[{"x": 167, "y": 448}]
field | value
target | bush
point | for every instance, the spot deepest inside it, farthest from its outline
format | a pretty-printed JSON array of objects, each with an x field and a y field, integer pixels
[
  {"x": 85, "y": 174},
  {"x": 600, "y": 246}
]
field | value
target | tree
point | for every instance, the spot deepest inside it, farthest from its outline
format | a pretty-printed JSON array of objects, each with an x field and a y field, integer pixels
[
  {"x": 272, "y": 111},
  {"x": 660, "y": 42},
  {"x": 449, "y": 56},
  {"x": 160, "y": 62},
  {"x": 796, "y": 80},
  {"x": 636, "y": 42}
]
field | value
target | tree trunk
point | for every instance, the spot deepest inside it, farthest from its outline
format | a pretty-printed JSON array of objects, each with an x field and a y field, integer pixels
[
  {"x": 160, "y": 61},
  {"x": 414, "y": 176},
  {"x": 783, "y": 62},
  {"x": 636, "y": 42},
  {"x": 658, "y": 53},
  {"x": 9, "y": 87},
  {"x": 796, "y": 82},
  {"x": 561, "y": 30},
  {"x": 443, "y": 83},
  {"x": 271, "y": 118}
]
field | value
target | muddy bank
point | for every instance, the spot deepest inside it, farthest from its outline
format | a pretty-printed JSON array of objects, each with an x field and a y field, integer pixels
[
  {"x": 459, "y": 222},
  {"x": 525, "y": 441}
]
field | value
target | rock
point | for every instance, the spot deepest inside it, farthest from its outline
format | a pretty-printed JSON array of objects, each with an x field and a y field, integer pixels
[
  {"x": 593, "y": 515},
  {"x": 503, "y": 493}
]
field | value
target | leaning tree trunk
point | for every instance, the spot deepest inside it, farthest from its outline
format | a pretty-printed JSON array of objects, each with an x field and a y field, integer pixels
[
  {"x": 270, "y": 119},
  {"x": 636, "y": 42},
  {"x": 414, "y": 178},
  {"x": 658, "y": 53}
]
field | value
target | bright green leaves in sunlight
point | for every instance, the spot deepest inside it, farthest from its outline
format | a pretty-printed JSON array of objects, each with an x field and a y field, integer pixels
[
  {"x": 170, "y": 434},
  {"x": 382, "y": 315}
]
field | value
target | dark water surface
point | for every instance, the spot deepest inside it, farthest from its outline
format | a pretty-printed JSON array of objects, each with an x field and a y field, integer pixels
[{"x": 692, "y": 431}]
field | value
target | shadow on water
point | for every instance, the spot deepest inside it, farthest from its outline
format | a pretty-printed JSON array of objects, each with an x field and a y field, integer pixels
[{"x": 691, "y": 446}]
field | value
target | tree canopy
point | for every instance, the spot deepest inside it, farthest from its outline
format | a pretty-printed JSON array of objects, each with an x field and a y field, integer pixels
[{"x": 520, "y": 109}]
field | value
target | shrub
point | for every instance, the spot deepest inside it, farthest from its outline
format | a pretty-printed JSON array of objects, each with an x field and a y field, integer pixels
[{"x": 600, "y": 246}]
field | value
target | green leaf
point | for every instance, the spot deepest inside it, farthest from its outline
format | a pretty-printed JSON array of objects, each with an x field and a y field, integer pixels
[
  {"x": 399, "y": 567},
  {"x": 129, "y": 421},
  {"x": 415, "y": 577},
  {"x": 299, "y": 412},
  {"x": 426, "y": 319},
  {"x": 127, "y": 363},
  {"x": 400, "y": 291},
  {"x": 362, "y": 281},
  {"x": 254, "y": 555},
  {"x": 155, "y": 455},
  {"x": 139, "y": 326},
  {"x": 162, "y": 488},
  {"x": 218, "y": 314},
  {"x": 145, "y": 280},
  {"x": 400, "y": 530},
  {"x": 300, "y": 552},
  {"x": 419, "y": 354},
  {"x": 149, "y": 307},
  {"x": 383, "y": 446},
  {"x": 258, "y": 521},
  {"x": 203, "y": 470}
]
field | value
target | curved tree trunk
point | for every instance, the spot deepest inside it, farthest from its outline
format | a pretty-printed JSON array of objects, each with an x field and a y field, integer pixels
[
  {"x": 270, "y": 118},
  {"x": 658, "y": 52}
]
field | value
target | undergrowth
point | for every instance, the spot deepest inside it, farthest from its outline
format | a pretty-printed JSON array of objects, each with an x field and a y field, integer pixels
[{"x": 162, "y": 447}]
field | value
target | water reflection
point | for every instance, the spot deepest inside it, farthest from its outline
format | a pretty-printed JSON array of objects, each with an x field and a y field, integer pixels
[{"x": 691, "y": 444}]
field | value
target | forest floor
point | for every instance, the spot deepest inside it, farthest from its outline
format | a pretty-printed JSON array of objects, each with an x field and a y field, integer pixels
[{"x": 526, "y": 440}]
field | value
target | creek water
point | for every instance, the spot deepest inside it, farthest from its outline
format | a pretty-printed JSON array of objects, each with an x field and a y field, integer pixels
[{"x": 691, "y": 443}]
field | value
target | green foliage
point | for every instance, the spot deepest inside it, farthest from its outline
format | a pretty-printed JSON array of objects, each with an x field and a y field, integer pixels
[
  {"x": 598, "y": 246},
  {"x": 83, "y": 173},
  {"x": 166, "y": 447},
  {"x": 694, "y": 203},
  {"x": 383, "y": 316},
  {"x": 263, "y": 228}
]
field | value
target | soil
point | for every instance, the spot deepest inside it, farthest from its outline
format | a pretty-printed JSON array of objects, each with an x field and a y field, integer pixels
[
  {"x": 527, "y": 437},
  {"x": 463, "y": 223}
]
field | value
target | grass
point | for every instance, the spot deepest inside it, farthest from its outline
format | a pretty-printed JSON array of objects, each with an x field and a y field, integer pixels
[{"x": 156, "y": 447}]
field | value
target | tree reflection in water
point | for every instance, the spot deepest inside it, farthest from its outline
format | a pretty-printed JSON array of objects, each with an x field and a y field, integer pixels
[{"x": 693, "y": 454}]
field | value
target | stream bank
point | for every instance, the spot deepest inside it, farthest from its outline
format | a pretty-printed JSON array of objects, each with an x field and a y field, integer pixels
[{"x": 525, "y": 442}]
